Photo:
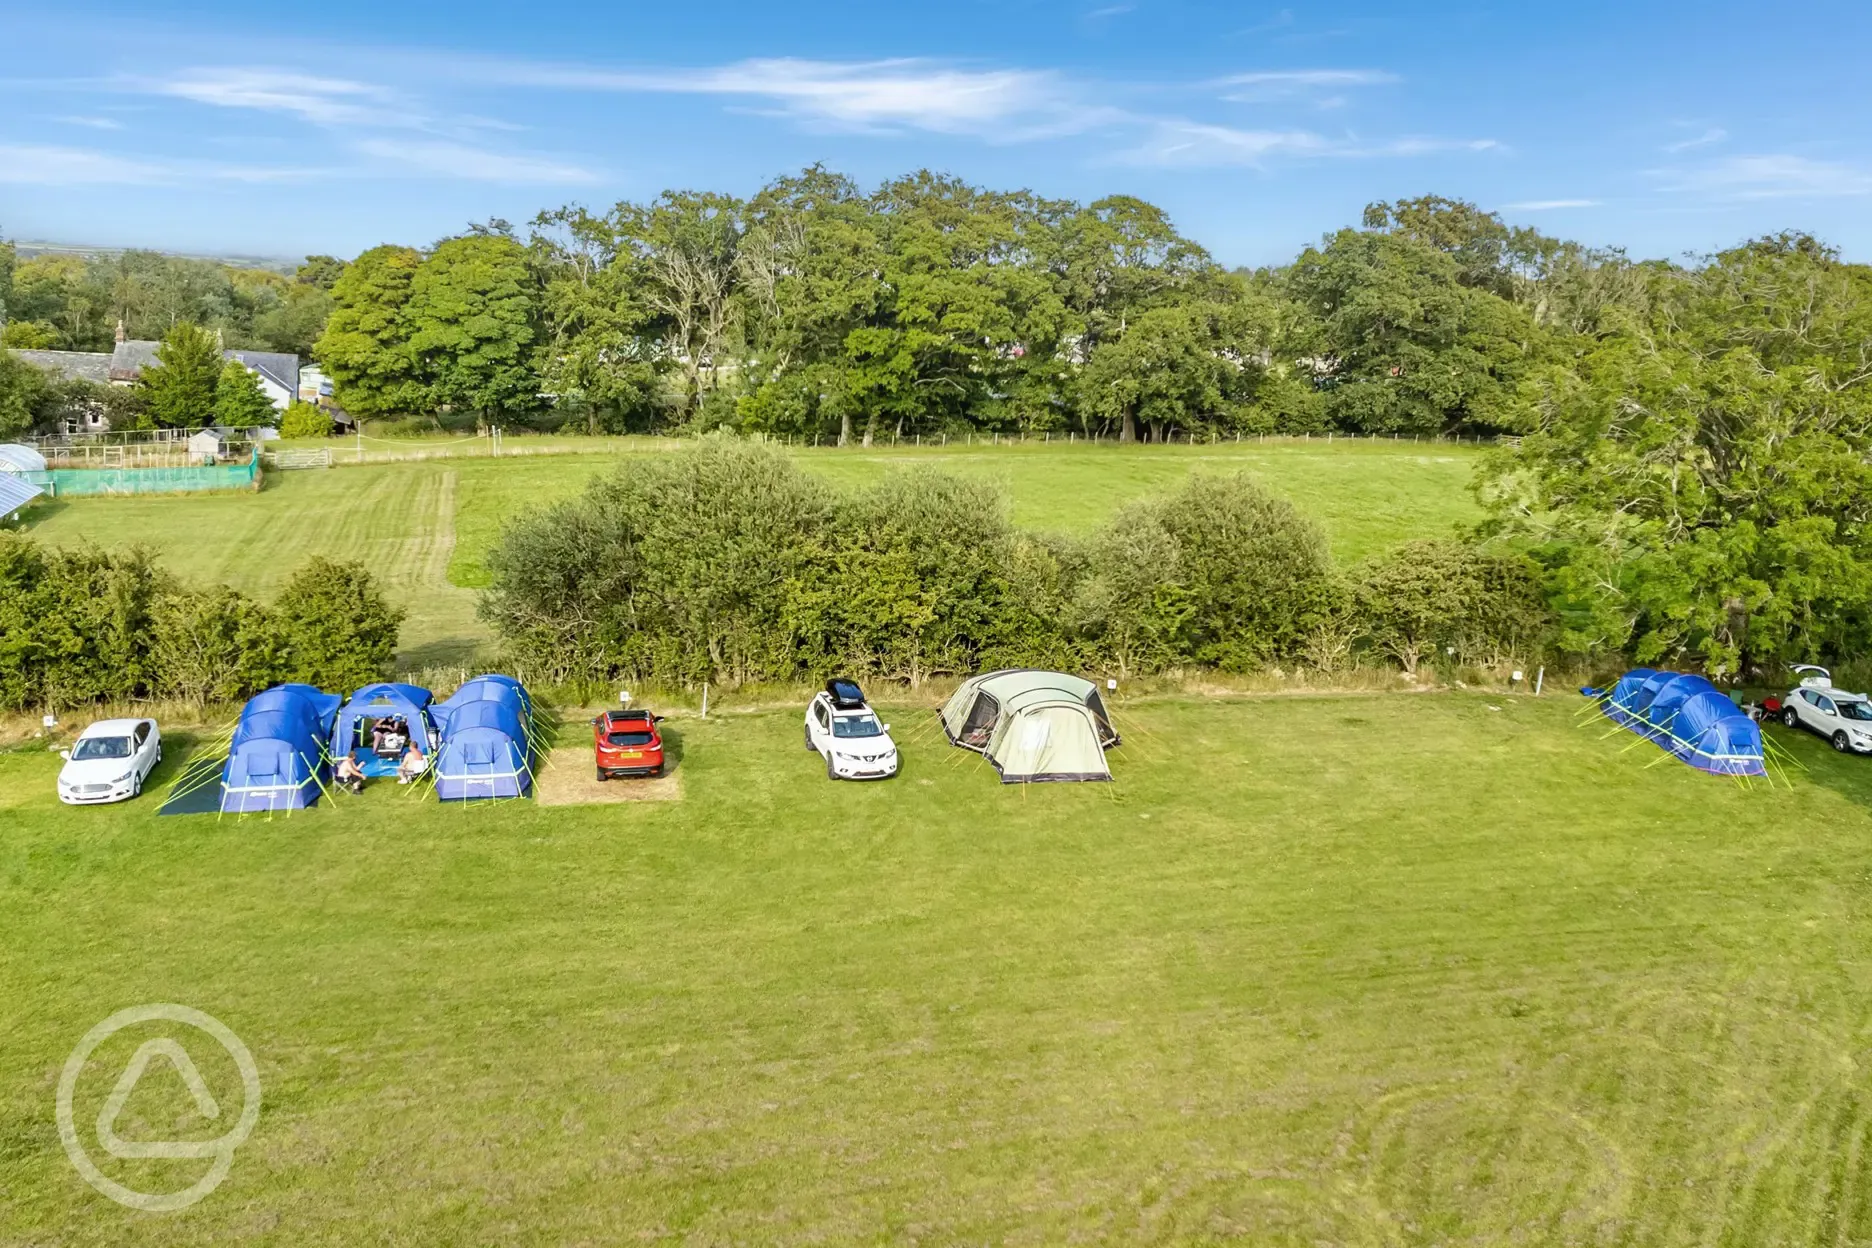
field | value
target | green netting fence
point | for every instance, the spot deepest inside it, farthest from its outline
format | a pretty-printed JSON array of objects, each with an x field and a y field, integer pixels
[{"x": 71, "y": 482}]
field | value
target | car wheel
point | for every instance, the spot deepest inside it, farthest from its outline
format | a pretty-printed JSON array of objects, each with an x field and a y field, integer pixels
[
  {"x": 1841, "y": 743},
  {"x": 136, "y": 782},
  {"x": 601, "y": 775},
  {"x": 829, "y": 773},
  {"x": 1790, "y": 717},
  {"x": 809, "y": 744}
]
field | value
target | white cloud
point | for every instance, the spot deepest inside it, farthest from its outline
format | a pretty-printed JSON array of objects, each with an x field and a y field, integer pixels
[
  {"x": 40, "y": 165},
  {"x": 1549, "y": 205},
  {"x": 473, "y": 164},
  {"x": 1773, "y": 176},
  {"x": 90, "y": 123},
  {"x": 866, "y": 95},
  {"x": 1318, "y": 85},
  {"x": 1309, "y": 78},
  {"x": 1711, "y": 136},
  {"x": 36, "y": 165},
  {"x": 325, "y": 101},
  {"x": 1183, "y": 143}
]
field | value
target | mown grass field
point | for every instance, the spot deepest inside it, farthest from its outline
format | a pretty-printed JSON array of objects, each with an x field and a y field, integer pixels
[
  {"x": 425, "y": 525},
  {"x": 1432, "y": 969}
]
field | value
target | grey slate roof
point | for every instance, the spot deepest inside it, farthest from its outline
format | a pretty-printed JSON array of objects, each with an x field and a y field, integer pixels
[
  {"x": 130, "y": 359},
  {"x": 127, "y": 362},
  {"x": 279, "y": 368},
  {"x": 66, "y": 365}
]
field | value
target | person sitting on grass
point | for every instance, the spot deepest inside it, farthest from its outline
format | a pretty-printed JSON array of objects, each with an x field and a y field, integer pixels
[
  {"x": 350, "y": 775},
  {"x": 413, "y": 765}
]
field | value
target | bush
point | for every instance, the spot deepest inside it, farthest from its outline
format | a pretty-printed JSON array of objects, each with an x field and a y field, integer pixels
[
  {"x": 725, "y": 561},
  {"x": 675, "y": 567},
  {"x": 1221, "y": 574},
  {"x": 305, "y": 420},
  {"x": 337, "y": 630},
  {"x": 86, "y": 625},
  {"x": 212, "y": 645},
  {"x": 73, "y": 623},
  {"x": 1430, "y": 596}
]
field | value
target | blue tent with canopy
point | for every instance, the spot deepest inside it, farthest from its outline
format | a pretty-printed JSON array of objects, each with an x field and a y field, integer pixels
[
  {"x": 1689, "y": 717},
  {"x": 278, "y": 754},
  {"x": 375, "y": 704},
  {"x": 486, "y": 749}
]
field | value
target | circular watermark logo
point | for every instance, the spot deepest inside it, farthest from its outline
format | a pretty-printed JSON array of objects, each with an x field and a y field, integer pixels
[{"x": 221, "y": 1150}]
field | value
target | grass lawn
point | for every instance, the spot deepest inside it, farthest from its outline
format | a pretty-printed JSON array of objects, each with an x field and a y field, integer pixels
[
  {"x": 1356, "y": 970},
  {"x": 424, "y": 525}
]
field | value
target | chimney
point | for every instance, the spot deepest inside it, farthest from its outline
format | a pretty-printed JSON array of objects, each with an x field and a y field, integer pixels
[{"x": 120, "y": 329}]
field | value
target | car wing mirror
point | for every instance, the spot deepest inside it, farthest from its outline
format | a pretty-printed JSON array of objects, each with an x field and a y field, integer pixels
[
  {"x": 594, "y": 723},
  {"x": 66, "y": 755},
  {"x": 886, "y": 727}
]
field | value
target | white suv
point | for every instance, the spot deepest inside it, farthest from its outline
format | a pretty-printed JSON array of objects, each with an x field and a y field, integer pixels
[
  {"x": 856, "y": 745},
  {"x": 109, "y": 761},
  {"x": 1843, "y": 718}
]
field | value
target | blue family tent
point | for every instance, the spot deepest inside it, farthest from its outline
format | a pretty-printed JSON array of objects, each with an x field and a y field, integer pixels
[
  {"x": 1689, "y": 717},
  {"x": 278, "y": 754},
  {"x": 486, "y": 749},
  {"x": 374, "y": 704}
]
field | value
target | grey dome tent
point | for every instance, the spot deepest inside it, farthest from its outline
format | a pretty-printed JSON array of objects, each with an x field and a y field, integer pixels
[{"x": 1033, "y": 726}]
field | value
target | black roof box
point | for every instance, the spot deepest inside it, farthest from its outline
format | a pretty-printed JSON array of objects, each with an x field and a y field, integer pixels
[{"x": 846, "y": 695}]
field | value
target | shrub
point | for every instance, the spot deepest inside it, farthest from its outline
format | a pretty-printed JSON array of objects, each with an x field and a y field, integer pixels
[
  {"x": 212, "y": 645},
  {"x": 73, "y": 623},
  {"x": 674, "y": 567},
  {"x": 305, "y": 420},
  {"x": 337, "y": 629},
  {"x": 1428, "y": 596},
  {"x": 1220, "y": 573},
  {"x": 88, "y": 625}
]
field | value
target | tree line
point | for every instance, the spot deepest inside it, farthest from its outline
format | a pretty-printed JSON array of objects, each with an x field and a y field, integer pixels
[
  {"x": 68, "y": 302},
  {"x": 86, "y": 625},
  {"x": 725, "y": 561},
  {"x": 929, "y": 305}
]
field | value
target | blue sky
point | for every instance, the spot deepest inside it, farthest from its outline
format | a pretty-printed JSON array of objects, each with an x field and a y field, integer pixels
[{"x": 1665, "y": 128}]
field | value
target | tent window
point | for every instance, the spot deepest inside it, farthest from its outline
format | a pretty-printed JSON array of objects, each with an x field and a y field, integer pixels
[
  {"x": 1034, "y": 735},
  {"x": 981, "y": 718}
]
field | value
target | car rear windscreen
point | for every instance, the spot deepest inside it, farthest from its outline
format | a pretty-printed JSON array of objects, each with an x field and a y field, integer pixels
[{"x": 629, "y": 738}]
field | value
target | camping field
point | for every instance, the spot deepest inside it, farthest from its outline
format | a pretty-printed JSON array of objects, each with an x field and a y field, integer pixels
[
  {"x": 424, "y": 525},
  {"x": 1411, "y": 969}
]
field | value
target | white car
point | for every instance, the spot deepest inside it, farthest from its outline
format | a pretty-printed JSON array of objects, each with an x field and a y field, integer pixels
[
  {"x": 855, "y": 743},
  {"x": 1843, "y": 718},
  {"x": 109, "y": 761}
]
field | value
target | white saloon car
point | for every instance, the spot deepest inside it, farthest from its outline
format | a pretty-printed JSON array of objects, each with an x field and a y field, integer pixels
[
  {"x": 1843, "y": 718},
  {"x": 109, "y": 761},
  {"x": 855, "y": 744}
]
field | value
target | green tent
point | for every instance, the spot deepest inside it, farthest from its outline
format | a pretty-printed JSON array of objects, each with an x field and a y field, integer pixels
[{"x": 1032, "y": 725}]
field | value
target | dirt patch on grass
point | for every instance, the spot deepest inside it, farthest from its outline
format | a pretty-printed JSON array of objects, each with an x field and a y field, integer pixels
[{"x": 569, "y": 779}]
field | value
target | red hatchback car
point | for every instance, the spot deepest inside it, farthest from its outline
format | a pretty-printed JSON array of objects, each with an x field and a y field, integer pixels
[{"x": 627, "y": 743}]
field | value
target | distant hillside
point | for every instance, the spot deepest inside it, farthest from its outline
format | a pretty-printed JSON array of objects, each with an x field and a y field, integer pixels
[{"x": 28, "y": 248}]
